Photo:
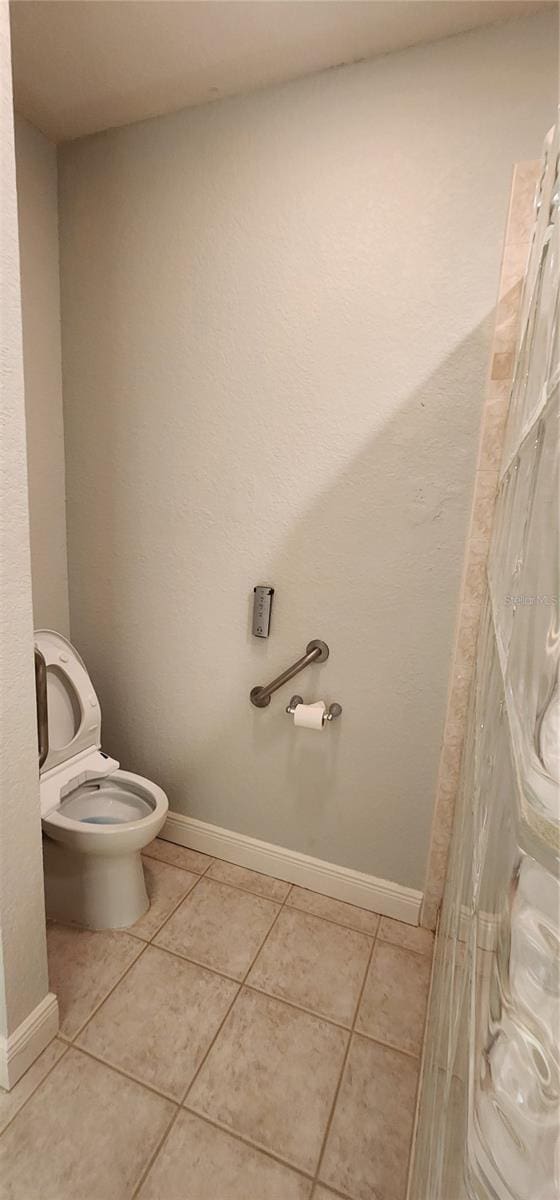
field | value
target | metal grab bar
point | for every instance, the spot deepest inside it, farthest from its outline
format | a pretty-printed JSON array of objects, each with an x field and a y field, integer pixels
[
  {"x": 42, "y": 710},
  {"x": 316, "y": 651}
]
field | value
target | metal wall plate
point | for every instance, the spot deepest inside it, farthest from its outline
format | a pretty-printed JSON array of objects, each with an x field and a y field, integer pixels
[{"x": 322, "y": 646}]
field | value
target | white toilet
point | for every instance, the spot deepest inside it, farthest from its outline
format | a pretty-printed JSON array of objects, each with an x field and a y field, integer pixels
[{"x": 96, "y": 818}]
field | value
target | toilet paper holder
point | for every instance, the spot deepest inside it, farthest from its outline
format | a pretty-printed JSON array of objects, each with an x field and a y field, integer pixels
[{"x": 333, "y": 711}]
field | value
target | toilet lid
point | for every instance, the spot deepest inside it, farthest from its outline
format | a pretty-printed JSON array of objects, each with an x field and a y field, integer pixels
[{"x": 73, "y": 708}]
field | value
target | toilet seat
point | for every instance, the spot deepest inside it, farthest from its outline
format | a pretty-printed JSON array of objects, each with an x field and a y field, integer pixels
[
  {"x": 106, "y": 802},
  {"x": 70, "y": 823},
  {"x": 77, "y": 777},
  {"x": 73, "y": 708}
]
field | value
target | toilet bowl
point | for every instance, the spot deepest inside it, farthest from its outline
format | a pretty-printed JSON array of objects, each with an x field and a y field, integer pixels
[{"x": 96, "y": 818}]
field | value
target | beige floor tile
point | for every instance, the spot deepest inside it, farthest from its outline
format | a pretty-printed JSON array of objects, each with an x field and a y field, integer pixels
[
  {"x": 159, "y": 1022},
  {"x": 314, "y": 963},
  {"x": 166, "y": 886},
  {"x": 83, "y": 967},
  {"x": 367, "y": 1149},
  {"x": 334, "y": 910},
  {"x": 238, "y": 1172},
  {"x": 178, "y": 856},
  {"x": 393, "y": 1005},
  {"x": 11, "y": 1102},
  {"x": 219, "y": 927},
  {"x": 271, "y": 1076},
  {"x": 87, "y": 1132},
  {"x": 323, "y": 1193},
  {"x": 410, "y": 937},
  {"x": 250, "y": 881}
]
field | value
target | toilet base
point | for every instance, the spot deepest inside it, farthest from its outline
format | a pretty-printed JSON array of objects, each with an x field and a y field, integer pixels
[{"x": 96, "y": 891}]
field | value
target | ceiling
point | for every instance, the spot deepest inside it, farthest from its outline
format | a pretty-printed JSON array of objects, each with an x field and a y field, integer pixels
[{"x": 84, "y": 65}]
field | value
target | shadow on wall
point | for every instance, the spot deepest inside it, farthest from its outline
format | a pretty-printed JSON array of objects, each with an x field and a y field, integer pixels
[{"x": 372, "y": 565}]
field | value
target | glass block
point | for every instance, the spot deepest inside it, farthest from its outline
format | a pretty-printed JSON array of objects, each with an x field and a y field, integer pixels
[
  {"x": 507, "y": 549},
  {"x": 534, "y": 363},
  {"x": 545, "y": 200},
  {"x": 512, "y": 1146},
  {"x": 534, "y": 652},
  {"x": 510, "y": 1111},
  {"x": 490, "y": 718},
  {"x": 535, "y": 952}
]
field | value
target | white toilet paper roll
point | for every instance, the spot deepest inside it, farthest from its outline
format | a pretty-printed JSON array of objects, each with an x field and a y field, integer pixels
[{"x": 310, "y": 716}]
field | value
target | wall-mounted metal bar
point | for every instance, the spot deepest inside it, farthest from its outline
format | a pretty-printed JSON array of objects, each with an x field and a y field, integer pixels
[
  {"x": 316, "y": 651},
  {"x": 42, "y": 710}
]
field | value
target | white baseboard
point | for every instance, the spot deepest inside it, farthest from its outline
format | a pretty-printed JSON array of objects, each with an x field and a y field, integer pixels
[
  {"x": 26, "y": 1043},
  {"x": 342, "y": 883}
]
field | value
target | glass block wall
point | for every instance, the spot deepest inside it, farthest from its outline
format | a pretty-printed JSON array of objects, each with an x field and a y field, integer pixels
[{"x": 488, "y": 1115}]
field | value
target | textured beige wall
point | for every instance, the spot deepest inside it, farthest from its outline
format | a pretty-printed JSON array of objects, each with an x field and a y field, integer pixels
[
  {"x": 40, "y": 300},
  {"x": 276, "y": 322},
  {"x": 23, "y": 963}
]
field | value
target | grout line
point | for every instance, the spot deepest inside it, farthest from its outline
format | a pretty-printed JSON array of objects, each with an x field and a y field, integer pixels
[
  {"x": 80, "y": 1030},
  {"x": 172, "y": 910},
  {"x": 339, "y": 924},
  {"x": 237, "y": 886},
  {"x": 241, "y": 984},
  {"x": 146, "y": 853},
  {"x": 247, "y": 1141},
  {"x": 261, "y": 875},
  {"x": 388, "y": 1045},
  {"x": 145, "y": 943},
  {"x": 407, "y": 949},
  {"x": 136, "y": 936},
  {"x": 154, "y": 1156},
  {"x": 40, "y": 1082},
  {"x": 175, "y": 866},
  {"x": 234, "y": 887},
  {"x": 247, "y": 891},
  {"x": 338, "y": 1194},
  {"x": 196, "y": 963},
  {"x": 186, "y": 897},
  {"x": 103, "y": 1062},
  {"x": 84, "y": 929},
  {"x": 159, "y": 1146},
  {"x": 342, "y": 1069},
  {"x": 311, "y": 1012}
]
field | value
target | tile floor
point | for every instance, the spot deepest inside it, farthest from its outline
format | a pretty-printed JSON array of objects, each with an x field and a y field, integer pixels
[{"x": 245, "y": 1040}]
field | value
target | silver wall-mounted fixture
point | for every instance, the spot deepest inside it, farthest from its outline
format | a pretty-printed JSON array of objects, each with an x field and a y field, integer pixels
[
  {"x": 262, "y": 606},
  {"x": 316, "y": 651}
]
